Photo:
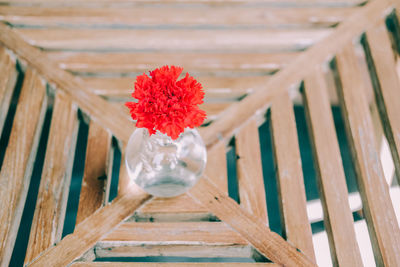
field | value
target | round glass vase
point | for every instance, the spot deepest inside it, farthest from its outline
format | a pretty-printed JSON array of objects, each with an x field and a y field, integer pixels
[{"x": 164, "y": 167}]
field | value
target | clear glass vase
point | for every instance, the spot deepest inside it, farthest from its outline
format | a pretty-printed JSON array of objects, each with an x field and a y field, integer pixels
[{"x": 164, "y": 167}]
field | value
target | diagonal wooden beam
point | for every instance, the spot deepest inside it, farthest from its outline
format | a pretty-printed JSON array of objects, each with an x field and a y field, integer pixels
[
  {"x": 91, "y": 230},
  {"x": 234, "y": 116},
  {"x": 99, "y": 110}
]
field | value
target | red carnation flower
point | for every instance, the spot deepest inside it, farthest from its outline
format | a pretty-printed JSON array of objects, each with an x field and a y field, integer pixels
[{"x": 166, "y": 104}]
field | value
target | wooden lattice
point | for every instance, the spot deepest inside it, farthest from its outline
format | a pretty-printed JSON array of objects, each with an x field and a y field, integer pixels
[{"x": 255, "y": 59}]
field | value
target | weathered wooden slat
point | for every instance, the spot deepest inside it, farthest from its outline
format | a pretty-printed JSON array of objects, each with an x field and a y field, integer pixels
[
  {"x": 291, "y": 3},
  {"x": 133, "y": 249},
  {"x": 109, "y": 173},
  {"x": 172, "y": 264},
  {"x": 92, "y": 192},
  {"x": 48, "y": 220},
  {"x": 330, "y": 173},
  {"x": 183, "y": 208},
  {"x": 216, "y": 167},
  {"x": 173, "y": 40},
  {"x": 386, "y": 87},
  {"x": 180, "y": 208},
  {"x": 89, "y": 231},
  {"x": 249, "y": 226},
  {"x": 249, "y": 171},
  {"x": 214, "y": 87},
  {"x": 197, "y": 239},
  {"x": 199, "y": 62},
  {"x": 377, "y": 206},
  {"x": 179, "y": 232},
  {"x": 296, "y": 71},
  {"x": 19, "y": 158},
  {"x": 107, "y": 116},
  {"x": 290, "y": 175},
  {"x": 169, "y": 15},
  {"x": 212, "y": 109},
  {"x": 8, "y": 77}
]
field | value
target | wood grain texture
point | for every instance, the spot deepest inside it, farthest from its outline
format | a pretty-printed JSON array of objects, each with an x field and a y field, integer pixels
[
  {"x": 217, "y": 168},
  {"x": 8, "y": 77},
  {"x": 173, "y": 40},
  {"x": 171, "y": 264},
  {"x": 381, "y": 219},
  {"x": 215, "y": 87},
  {"x": 183, "y": 208},
  {"x": 92, "y": 191},
  {"x": 19, "y": 158},
  {"x": 102, "y": 62},
  {"x": 188, "y": 16},
  {"x": 294, "y": 72},
  {"x": 330, "y": 174},
  {"x": 249, "y": 171},
  {"x": 48, "y": 219},
  {"x": 252, "y": 228},
  {"x": 88, "y": 232},
  {"x": 124, "y": 181},
  {"x": 188, "y": 239},
  {"x": 289, "y": 172},
  {"x": 386, "y": 86},
  {"x": 101, "y": 112},
  {"x": 184, "y": 233},
  {"x": 132, "y": 249},
  {"x": 125, "y": 3}
]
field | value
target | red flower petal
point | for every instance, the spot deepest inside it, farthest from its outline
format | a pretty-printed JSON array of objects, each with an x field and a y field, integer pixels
[{"x": 166, "y": 104}]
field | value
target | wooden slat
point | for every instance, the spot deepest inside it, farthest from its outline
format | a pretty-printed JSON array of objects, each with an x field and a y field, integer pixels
[
  {"x": 386, "y": 87},
  {"x": 214, "y": 87},
  {"x": 188, "y": 239},
  {"x": 331, "y": 177},
  {"x": 249, "y": 171},
  {"x": 183, "y": 208},
  {"x": 297, "y": 70},
  {"x": 107, "y": 116},
  {"x": 194, "y": 16},
  {"x": 144, "y": 61},
  {"x": 216, "y": 167},
  {"x": 181, "y": 232},
  {"x": 8, "y": 77},
  {"x": 106, "y": 3},
  {"x": 290, "y": 175},
  {"x": 88, "y": 232},
  {"x": 19, "y": 158},
  {"x": 133, "y": 249},
  {"x": 212, "y": 109},
  {"x": 124, "y": 181},
  {"x": 48, "y": 220},
  {"x": 381, "y": 219},
  {"x": 173, "y": 40},
  {"x": 172, "y": 264},
  {"x": 252, "y": 228},
  {"x": 92, "y": 192}
]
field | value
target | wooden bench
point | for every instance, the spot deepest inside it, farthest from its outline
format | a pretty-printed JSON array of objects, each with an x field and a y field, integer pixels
[{"x": 67, "y": 63}]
